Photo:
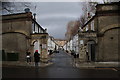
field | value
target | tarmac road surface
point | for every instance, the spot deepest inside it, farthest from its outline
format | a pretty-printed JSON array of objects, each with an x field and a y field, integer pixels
[{"x": 62, "y": 68}]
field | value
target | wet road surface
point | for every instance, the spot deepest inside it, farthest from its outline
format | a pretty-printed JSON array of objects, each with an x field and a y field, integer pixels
[{"x": 62, "y": 68}]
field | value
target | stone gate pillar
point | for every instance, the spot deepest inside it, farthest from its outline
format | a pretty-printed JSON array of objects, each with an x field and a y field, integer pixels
[
  {"x": 44, "y": 48},
  {"x": 42, "y": 38},
  {"x": 82, "y": 55},
  {"x": 31, "y": 49}
]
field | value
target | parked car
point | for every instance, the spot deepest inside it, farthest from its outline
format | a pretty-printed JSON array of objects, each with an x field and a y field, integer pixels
[
  {"x": 67, "y": 51},
  {"x": 50, "y": 52},
  {"x": 56, "y": 51},
  {"x": 73, "y": 52}
]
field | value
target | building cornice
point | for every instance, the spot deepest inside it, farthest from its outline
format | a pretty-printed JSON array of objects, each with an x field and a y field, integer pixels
[{"x": 17, "y": 16}]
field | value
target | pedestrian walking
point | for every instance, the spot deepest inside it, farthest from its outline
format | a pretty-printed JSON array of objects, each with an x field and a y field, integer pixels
[
  {"x": 36, "y": 57},
  {"x": 28, "y": 57}
]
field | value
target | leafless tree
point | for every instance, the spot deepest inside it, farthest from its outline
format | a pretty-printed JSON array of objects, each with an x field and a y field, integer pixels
[
  {"x": 72, "y": 28},
  {"x": 69, "y": 29},
  {"x": 13, "y": 7},
  {"x": 108, "y": 1},
  {"x": 82, "y": 21},
  {"x": 75, "y": 27},
  {"x": 89, "y": 10},
  {"x": 6, "y": 6}
]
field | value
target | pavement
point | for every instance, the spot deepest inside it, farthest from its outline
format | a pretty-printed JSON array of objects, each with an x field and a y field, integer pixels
[
  {"x": 63, "y": 66},
  {"x": 92, "y": 65},
  {"x": 75, "y": 62},
  {"x": 24, "y": 64},
  {"x": 88, "y": 65}
]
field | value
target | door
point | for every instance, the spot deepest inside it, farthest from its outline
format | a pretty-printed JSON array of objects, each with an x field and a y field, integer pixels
[{"x": 92, "y": 52}]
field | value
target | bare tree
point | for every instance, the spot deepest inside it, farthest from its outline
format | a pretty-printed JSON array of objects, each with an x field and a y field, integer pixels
[
  {"x": 76, "y": 27},
  {"x": 69, "y": 29},
  {"x": 72, "y": 29},
  {"x": 107, "y": 1},
  {"x": 14, "y": 7},
  {"x": 89, "y": 10},
  {"x": 82, "y": 21},
  {"x": 6, "y": 6}
]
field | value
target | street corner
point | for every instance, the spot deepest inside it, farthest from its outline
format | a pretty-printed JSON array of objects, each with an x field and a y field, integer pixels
[{"x": 84, "y": 66}]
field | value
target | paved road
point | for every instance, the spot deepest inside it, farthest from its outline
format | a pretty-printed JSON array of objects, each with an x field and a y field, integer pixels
[{"x": 62, "y": 68}]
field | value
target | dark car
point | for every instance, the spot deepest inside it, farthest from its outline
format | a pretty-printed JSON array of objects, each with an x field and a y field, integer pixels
[
  {"x": 73, "y": 52},
  {"x": 56, "y": 51},
  {"x": 50, "y": 52}
]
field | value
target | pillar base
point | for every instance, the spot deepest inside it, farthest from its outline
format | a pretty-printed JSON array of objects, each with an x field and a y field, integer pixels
[
  {"x": 44, "y": 60},
  {"x": 82, "y": 60}
]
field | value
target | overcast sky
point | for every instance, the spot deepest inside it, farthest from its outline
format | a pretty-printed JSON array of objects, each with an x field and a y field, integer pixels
[
  {"x": 51, "y": 15},
  {"x": 55, "y": 15}
]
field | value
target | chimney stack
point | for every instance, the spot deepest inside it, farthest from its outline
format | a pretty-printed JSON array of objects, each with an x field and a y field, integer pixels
[{"x": 34, "y": 16}]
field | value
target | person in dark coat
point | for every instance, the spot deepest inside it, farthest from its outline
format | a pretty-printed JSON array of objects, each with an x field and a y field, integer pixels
[{"x": 36, "y": 57}]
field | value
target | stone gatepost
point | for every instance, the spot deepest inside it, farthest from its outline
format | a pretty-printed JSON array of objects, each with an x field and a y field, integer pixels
[
  {"x": 82, "y": 55},
  {"x": 44, "y": 49},
  {"x": 42, "y": 38}
]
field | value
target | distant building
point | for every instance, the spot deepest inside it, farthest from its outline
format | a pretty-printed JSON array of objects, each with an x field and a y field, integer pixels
[
  {"x": 51, "y": 44},
  {"x": 60, "y": 42}
]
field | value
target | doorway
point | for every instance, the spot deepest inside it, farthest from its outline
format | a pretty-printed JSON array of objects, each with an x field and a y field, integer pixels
[{"x": 91, "y": 50}]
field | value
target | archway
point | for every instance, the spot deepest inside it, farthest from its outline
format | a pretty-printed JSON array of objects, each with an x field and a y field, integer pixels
[
  {"x": 106, "y": 28},
  {"x": 36, "y": 45}
]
